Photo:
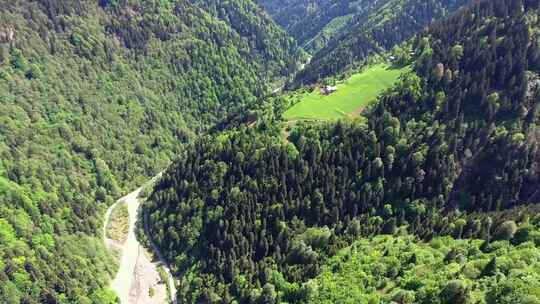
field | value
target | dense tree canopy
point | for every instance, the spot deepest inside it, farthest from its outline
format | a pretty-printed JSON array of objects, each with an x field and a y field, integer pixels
[
  {"x": 400, "y": 269},
  {"x": 95, "y": 96},
  {"x": 314, "y": 23},
  {"x": 451, "y": 150},
  {"x": 373, "y": 28}
]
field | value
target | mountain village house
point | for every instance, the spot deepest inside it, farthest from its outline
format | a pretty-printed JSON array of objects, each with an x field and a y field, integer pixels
[{"x": 327, "y": 90}]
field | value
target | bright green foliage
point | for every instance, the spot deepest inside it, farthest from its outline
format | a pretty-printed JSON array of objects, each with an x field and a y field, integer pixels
[
  {"x": 379, "y": 269},
  {"x": 352, "y": 96},
  {"x": 35, "y": 245},
  {"x": 118, "y": 225},
  {"x": 95, "y": 97}
]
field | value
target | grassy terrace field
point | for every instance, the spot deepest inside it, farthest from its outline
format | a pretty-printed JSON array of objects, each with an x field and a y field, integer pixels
[{"x": 352, "y": 96}]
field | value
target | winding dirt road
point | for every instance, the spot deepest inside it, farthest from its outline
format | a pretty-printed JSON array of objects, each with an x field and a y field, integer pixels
[{"x": 137, "y": 280}]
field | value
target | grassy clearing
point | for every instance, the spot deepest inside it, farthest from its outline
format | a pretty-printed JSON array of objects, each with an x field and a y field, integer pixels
[
  {"x": 352, "y": 96},
  {"x": 165, "y": 279},
  {"x": 118, "y": 225}
]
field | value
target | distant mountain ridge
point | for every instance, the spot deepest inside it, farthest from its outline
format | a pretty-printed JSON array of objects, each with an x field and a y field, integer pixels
[
  {"x": 341, "y": 34},
  {"x": 374, "y": 31},
  {"x": 311, "y": 23}
]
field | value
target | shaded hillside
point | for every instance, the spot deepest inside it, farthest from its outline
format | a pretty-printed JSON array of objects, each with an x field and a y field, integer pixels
[
  {"x": 342, "y": 34},
  {"x": 377, "y": 28},
  {"x": 277, "y": 50},
  {"x": 95, "y": 98},
  {"x": 247, "y": 216},
  {"x": 313, "y": 23},
  {"x": 288, "y": 14}
]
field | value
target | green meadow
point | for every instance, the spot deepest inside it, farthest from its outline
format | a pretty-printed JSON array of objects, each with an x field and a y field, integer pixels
[{"x": 352, "y": 96}]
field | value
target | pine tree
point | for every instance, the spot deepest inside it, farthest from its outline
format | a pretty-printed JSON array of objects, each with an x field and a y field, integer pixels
[{"x": 491, "y": 268}]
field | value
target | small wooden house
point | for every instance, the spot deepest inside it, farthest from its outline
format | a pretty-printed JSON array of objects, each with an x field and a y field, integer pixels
[{"x": 327, "y": 90}]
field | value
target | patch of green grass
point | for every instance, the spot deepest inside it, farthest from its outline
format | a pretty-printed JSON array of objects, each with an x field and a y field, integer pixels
[
  {"x": 352, "y": 96},
  {"x": 118, "y": 225},
  {"x": 165, "y": 279}
]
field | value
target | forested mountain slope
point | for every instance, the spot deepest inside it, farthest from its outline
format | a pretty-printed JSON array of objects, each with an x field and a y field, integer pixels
[
  {"x": 251, "y": 23},
  {"x": 95, "y": 96},
  {"x": 399, "y": 269},
  {"x": 337, "y": 26},
  {"x": 288, "y": 13},
  {"x": 372, "y": 27},
  {"x": 291, "y": 12},
  {"x": 451, "y": 150},
  {"x": 313, "y": 23}
]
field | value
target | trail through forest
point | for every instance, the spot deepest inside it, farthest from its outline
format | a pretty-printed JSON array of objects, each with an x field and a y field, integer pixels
[{"x": 137, "y": 280}]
